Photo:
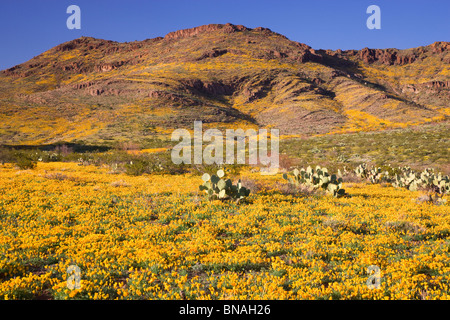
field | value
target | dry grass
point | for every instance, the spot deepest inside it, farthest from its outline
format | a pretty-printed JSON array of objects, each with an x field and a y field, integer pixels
[
  {"x": 430, "y": 198},
  {"x": 351, "y": 177},
  {"x": 290, "y": 189},
  {"x": 254, "y": 185},
  {"x": 406, "y": 226},
  {"x": 59, "y": 176},
  {"x": 119, "y": 183},
  {"x": 128, "y": 146},
  {"x": 335, "y": 224}
]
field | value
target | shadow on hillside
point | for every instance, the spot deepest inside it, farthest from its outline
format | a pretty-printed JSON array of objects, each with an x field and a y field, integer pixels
[
  {"x": 355, "y": 72},
  {"x": 74, "y": 147}
]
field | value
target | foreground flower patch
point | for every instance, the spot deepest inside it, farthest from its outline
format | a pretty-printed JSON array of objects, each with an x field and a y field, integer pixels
[{"x": 158, "y": 237}]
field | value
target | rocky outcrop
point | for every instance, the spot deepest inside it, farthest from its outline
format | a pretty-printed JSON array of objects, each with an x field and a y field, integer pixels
[
  {"x": 211, "y": 88},
  {"x": 386, "y": 56},
  {"x": 436, "y": 85},
  {"x": 227, "y": 28},
  {"x": 439, "y": 47},
  {"x": 212, "y": 54},
  {"x": 396, "y": 56},
  {"x": 13, "y": 72},
  {"x": 104, "y": 67},
  {"x": 109, "y": 66},
  {"x": 429, "y": 87},
  {"x": 125, "y": 88},
  {"x": 74, "y": 66},
  {"x": 174, "y": 97},
  {"x": 303, "y": 55},
  {"x": 83, "y": 85},
  {"x": 439, "y": 84},
  {"x": 317, "y": 81},
  {"x": 96, "y": 91},
  {"x": 88, "y": 43},
  {"x": 337, "y": 73}
]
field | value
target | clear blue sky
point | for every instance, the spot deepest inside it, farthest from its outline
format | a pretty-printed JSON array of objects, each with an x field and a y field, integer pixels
[{"x": 30, "y": 27}]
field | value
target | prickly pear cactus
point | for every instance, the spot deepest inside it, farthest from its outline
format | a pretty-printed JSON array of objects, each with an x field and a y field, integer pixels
[
  {"x": 317, "y": 178},
  {"x": 405, "y": 177},
  {"x": 217, "y": 187},
  {"x": 361, "y": 171}
]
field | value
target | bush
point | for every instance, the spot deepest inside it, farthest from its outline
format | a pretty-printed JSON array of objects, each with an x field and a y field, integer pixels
[
  {"x": 63, "y": 150},
  {"x": 25, "y": 163},
  {"x": 296, "y": 190},
  {"x": 6, "y": 156},
  {"x": 136, "y": 167}
]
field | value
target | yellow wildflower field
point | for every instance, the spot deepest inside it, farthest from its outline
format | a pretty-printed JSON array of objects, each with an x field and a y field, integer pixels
[{"x": 158, "y": 237}]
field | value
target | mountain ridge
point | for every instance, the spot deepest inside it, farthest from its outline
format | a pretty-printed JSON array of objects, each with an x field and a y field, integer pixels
[{"x": 225, "y": 75}]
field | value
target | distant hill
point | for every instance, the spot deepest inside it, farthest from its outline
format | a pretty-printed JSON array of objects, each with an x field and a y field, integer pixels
[{"x": 228, "y": 76}]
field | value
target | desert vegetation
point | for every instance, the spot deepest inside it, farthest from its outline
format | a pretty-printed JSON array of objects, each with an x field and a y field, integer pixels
[
  {"x": 87, "y": 181},
  {"x": 139, "y": 227}
]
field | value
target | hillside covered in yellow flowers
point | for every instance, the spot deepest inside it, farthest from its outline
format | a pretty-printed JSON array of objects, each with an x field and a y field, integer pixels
[{"x": 99, "y": 91}]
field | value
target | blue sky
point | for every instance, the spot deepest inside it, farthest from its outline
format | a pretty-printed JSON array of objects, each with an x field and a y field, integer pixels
[{"x": 30, "y": 27}]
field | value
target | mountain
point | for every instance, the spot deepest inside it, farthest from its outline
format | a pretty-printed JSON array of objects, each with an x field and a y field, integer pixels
[{"x": 228, "y": 76}]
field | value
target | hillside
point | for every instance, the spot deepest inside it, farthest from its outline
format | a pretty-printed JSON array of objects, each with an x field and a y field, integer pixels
[{"x": 228, "y": 76}]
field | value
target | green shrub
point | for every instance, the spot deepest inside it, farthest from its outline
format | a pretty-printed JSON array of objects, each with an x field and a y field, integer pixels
[
  {"x": 136, "y": 167},
  {"x": 24, "y": 163},
  {"x": 6, "y": 156}
]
